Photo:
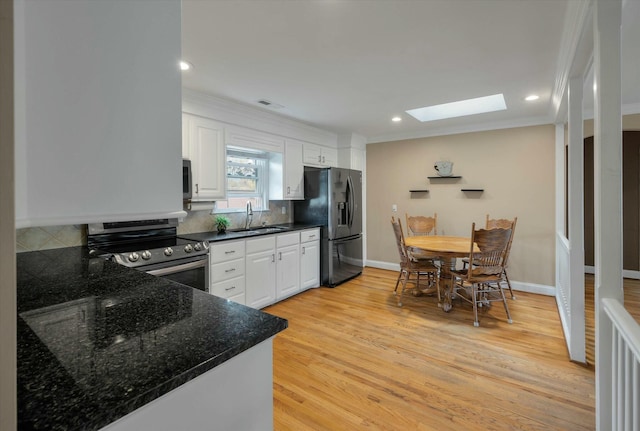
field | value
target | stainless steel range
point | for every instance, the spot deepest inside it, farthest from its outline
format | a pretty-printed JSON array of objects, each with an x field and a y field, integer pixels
[{"x": 153, "y": 246}]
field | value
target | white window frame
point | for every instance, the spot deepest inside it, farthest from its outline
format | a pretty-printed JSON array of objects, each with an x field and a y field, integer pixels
[{"x": 262, "y": 192}]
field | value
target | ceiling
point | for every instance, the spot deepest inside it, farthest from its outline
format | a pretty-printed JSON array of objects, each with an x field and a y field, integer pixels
[{"x": 349, "y": 66}]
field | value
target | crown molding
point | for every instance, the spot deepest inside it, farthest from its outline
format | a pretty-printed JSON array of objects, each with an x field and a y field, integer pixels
[
  {"x": 497, "y": 125},
  {"x": 232, "y": 112}
]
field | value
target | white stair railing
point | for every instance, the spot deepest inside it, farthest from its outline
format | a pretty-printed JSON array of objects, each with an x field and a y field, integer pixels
[{"x": 625, "y": 369}]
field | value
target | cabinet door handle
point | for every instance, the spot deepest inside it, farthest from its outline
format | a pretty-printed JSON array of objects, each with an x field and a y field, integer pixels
[
  {"x": 288, "y": 190},
  {"x": 303, "y": 250},
  {"x": 280, "y": 255},
  {"x": 273, "y": 258},
  {"x": 230, "y": 288},
  {"x": 197, "y": 188},
  {"x": 312, "y": 236},
  {"x": 229, "y": 252},
  {"x": 229, "y": 270},
  {"x": 320, "y": 159}
]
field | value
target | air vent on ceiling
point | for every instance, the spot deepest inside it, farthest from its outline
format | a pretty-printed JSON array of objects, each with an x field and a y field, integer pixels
[{"x": 270, "y": 104}]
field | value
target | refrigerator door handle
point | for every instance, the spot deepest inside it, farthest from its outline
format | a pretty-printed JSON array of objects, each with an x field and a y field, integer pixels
[{"x": 351, "y": 200}]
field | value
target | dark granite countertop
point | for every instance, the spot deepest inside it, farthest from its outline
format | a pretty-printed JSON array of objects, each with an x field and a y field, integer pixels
[
  {"x": 97, "y": 340},
  {"x": 213, "y": 236}
]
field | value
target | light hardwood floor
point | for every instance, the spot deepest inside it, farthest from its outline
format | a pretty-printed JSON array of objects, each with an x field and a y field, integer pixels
[
  {"x": 631, "y": 303},
  {"x": 351, "y": 359}
]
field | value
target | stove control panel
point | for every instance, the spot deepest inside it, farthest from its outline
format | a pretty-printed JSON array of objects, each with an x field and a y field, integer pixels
[{"x": 151, "y": 256}]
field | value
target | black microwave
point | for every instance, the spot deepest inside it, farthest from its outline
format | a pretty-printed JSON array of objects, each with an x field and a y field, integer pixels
[{"x": 186, "y": 179}]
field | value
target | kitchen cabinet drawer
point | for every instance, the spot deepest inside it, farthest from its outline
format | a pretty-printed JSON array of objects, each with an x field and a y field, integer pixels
[
  {"x": 240, "y": 298},
  {"x": 229, "y": 288},
  {"x": 227, "y": 270},
  {"x": 258, "y": 245},
  {"x": 286, "y": 239},
  {"x": 310, "y": 235},
  {"x": 226, "y": 251}
]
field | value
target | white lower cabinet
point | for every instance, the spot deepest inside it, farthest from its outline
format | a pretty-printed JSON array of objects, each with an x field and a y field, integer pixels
[
  {"x": 287, "y": 264},
  {"x": 228, "y": 270},
  {"x": 261, "y": 271},
  {"x": 309, "y": 258}
]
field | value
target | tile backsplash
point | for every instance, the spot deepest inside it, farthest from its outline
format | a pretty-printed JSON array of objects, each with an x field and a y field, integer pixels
[
  {"x": 47, "y": 237},
  {"x": 202, "y": 221}
]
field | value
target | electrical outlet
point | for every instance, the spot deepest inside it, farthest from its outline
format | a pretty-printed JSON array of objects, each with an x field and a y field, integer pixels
[
  {"x": 284, "y": 210},
  {"x": 394, "y": 208}
]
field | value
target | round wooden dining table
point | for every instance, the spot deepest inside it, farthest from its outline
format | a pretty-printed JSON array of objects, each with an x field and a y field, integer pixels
[{"x": 446, "y": 249}]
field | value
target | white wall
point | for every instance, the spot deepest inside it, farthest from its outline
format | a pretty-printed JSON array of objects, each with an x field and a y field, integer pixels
[{"x": 98, "y": 123}]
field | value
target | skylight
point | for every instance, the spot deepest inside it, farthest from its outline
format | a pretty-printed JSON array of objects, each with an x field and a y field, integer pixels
[{"x": 461, "y": 108}]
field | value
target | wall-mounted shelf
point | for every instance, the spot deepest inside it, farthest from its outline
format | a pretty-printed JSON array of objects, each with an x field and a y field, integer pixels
[
  {"x": 445, "y": 178},
  {"x": 472, "y": 190},
  {"x": 419, "y": 191}
]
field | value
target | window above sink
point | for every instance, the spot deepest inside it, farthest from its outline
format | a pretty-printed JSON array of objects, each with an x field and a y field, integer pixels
[{"x": 247, "y": 172}]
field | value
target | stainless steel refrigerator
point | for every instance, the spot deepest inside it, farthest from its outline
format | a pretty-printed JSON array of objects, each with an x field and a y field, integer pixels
[{"x": 333, "y": 199}]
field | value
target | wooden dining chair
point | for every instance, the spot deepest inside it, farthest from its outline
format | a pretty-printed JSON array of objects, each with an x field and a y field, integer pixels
[
  {"x": 409, "y": 265},
  {"x": 422, "y": 225},
  {"x": 502, "y": 223},
  {"x": 480, "y": 283}
]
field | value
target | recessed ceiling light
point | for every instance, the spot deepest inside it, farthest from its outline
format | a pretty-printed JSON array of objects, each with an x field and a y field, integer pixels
[
  {"x": 185, "y": 65},
  {"x": 532, "y": 97},
  {"x": 461, "y": 108},
  {"x": 396, "y": 119}
]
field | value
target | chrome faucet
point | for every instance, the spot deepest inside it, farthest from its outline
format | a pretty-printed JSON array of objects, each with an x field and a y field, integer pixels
[{"x": 247, "y": 223}]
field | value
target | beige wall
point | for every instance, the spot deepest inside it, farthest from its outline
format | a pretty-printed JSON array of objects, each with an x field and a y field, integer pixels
[
  {"x": 516, "y": 169},
  {"x": 629, "y": 122}
]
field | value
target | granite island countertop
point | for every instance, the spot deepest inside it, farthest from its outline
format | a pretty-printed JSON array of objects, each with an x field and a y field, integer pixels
[{"x": 97, "y": 340}]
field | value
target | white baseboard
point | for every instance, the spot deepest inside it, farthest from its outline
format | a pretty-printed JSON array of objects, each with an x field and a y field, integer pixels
[
  {"x": 383, "y": 265},
  {"x": 521, "y": 286},
  {"x": 626, "y": 273}
]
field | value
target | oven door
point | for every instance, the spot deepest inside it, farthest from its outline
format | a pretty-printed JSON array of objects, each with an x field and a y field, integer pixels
[{"x": 193, "y": 272}]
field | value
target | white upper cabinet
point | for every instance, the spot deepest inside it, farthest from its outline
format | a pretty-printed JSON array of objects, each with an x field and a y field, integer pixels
[
  {"x": 98, "y": 111},
  {"x": 316, "y": 155},
  {"x": 293, "y": 170},
  {"x": 286, "y": 174},
  {"x": 206, "y": 150}
]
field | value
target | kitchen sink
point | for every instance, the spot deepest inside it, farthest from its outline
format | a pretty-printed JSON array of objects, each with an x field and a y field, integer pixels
[{"x": 263, "y": 229}]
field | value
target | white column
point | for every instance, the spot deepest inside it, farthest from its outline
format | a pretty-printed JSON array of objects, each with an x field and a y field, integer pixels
[
  {"x": 608, "y": 190},
  {"x": 575, "y": 208}
]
